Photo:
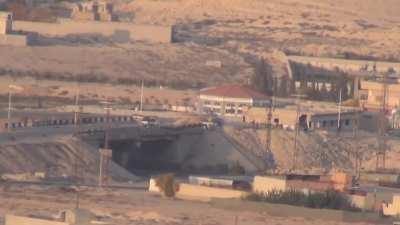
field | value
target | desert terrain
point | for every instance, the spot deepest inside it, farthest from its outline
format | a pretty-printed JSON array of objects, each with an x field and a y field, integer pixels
[{"x": 213, "y": 42}]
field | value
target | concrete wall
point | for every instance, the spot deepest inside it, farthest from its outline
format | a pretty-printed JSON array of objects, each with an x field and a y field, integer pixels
[
  {"x": 151, "y": 33},
  {"x": 212, "y": 182},
  {"x": 19, "y": 220},
  {"x": 13, "y": 40},
  {"x": 280, "y": 210},
  {"x": 210, "y": 149},
  {"x": 202, "y": 193},
  {"x": 269, "y": 183},
  {"x": 358, "y": 201}
]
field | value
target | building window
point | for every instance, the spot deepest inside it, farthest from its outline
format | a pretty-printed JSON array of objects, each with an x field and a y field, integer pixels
[
  {"x": 217, "y": 103},
  {"x": 347, "y": 122},
  {"x": 324, "y": 123},
  {"x": 207, "y": 102},
  {"x": 332, "y": 123},
  {"x": 363, "y": 97}
]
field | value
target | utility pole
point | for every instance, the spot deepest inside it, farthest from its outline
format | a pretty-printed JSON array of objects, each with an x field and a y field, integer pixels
[
  {"x": 382, "y": 142},
  {"x": 356, "y": 148},
  {"x": 105, "y": 152},
  {"x": 339, "y": 125},
  {"x": 297, "y": 130},
  {"x": 77, "y": 109},
  {"x": 9, "y": 110},
  {"x": 141, "y": 97},
  {"x": 269, "y": 132},
  {"x": 76, "y": 132}
]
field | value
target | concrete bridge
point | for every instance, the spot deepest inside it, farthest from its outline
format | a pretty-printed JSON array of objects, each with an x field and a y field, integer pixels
[
  {"x": 140, "y": 148},
  {"x": 139, "y": 133}
]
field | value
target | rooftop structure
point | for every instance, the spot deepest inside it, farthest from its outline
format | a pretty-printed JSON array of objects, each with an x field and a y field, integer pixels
[{"x": 231, "y": 100}]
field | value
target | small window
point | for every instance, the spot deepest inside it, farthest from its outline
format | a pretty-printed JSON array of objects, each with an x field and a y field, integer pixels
[{"x": 347, "y": 122}]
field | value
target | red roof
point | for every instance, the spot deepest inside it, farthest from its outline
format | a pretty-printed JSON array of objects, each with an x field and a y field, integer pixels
[{"x": 233, "y": 91}]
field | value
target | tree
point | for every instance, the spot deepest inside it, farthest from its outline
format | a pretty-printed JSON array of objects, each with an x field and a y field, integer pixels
[
  {"x": 342, "y": 86},
  {"x": 390, "y": 71},
  {"x": 262, "y": 79},
  {"x": 283, "y": 87}
]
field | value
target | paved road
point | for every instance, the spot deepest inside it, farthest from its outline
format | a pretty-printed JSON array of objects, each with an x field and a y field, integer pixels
[{"x": 62, "y": 130}]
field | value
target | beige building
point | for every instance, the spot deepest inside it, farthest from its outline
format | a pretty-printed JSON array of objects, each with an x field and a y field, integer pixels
[
  {"x": 93, "y": 11},
  {"x": 306, "y": 183},
  {"x": 286, "y": 117},
  {"x": 371, "y": 95},
  {"x": 230, "y": 100}
]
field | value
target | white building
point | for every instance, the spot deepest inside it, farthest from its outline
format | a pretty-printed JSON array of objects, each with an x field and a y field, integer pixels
[{"x": 230, "y": 100}]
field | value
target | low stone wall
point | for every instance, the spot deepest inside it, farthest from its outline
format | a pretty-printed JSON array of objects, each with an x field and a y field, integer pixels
[
  {"x": 202, "y": 193},
  {"x": 294, "y": 211},
  {"x": 266, "y": 184}
]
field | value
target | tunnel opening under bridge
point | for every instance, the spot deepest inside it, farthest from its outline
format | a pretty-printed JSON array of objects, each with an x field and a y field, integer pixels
[{"x": 145, "y": 156}]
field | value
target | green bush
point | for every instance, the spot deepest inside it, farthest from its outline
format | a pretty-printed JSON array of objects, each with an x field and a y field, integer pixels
[{"x": 330, "y": 199}]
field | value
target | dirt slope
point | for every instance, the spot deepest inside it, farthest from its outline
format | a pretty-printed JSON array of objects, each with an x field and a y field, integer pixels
[{"x": 57, "y": 158}]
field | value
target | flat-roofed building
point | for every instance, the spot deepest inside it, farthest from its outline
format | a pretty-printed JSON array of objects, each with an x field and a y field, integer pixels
[
  {"x": 371, "y": 94},
  {"x": 231, "y": 100}
]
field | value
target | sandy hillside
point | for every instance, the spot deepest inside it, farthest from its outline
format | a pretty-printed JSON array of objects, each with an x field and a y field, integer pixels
[
  {"x": 57, "y": 158},
  {"x": 309, "y": 27},
  {"x": 173, "y": 10},
  {"x": 182, "y": 65}
]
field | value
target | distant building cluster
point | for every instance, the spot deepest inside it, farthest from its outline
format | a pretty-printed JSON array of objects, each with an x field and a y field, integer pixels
[
  {"x": 94, "y": 11},
  {"x": 231, "y": 100}
]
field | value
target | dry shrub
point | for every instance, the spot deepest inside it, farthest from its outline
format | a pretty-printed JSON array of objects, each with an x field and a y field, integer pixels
[{"x": 167, "y": 185}]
